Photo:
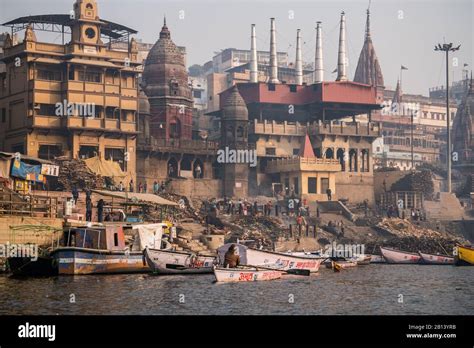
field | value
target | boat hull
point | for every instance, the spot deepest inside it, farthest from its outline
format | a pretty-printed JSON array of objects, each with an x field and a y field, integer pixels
[
  {"x": 282, "y": 261},
  {"x": 231, "y": 275},
  {"x": 400, "y": 257},
  {"x": 178, "y": 262},
  {"x": 341, "y": 264},
  {"x": 23, "y": 266},
  {"x": 432, "y": 259},
  {"x": 465, "y": 256},
  {"x": 377, "y": 259},
  {"x": 73, "y": 261}
]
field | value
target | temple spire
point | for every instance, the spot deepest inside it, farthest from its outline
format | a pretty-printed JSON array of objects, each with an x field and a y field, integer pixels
[{"x": 367, "y": 26}]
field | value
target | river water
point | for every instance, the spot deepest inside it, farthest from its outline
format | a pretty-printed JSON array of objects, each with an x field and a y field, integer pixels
[{"x": 371, "y": 289}]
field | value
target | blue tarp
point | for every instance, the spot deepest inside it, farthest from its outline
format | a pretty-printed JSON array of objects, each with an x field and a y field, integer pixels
[{"x": 26, "y": 171}]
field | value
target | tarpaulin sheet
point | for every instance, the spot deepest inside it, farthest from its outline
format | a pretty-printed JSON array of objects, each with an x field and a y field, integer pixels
[
  {"x": 103, "y": 167},
  {"x": 27, "y": 171}
]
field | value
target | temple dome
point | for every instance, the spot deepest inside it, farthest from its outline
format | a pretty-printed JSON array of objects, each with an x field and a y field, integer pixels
[
  {"x": 463, "y": 128},
  {"x": 165, "y": 72},
  {"x": 234, "y": 107}
]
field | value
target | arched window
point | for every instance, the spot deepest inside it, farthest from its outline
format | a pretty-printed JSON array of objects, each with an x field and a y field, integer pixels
[
  {"x": 175, "y": 129},
  {"x": 340, "y": 157},
  {"x": 329, "y": 153}
]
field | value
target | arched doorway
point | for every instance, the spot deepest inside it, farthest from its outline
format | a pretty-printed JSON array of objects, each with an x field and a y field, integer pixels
[
  {"x": 172, "y": 168},
  {"x": 340, "y": 157}
]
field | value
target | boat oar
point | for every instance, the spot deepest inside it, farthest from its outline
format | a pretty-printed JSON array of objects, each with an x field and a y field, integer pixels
[{"x": 294, "y": 271}]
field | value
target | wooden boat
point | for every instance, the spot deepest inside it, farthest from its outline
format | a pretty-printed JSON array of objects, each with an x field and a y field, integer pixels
[
  {"x": 178, "y": 262},
  {"x": 244, "y": 274},
  {"x": 377, "y": 259},
  {"x": 271, "y": 259},
  {"x": 101, "y": 250},
  {"x": 363, "y": 260},
  {"x": 465, "y": 256},
  {"x": 396, "y": 256},
  {"x": 433, "y": 259},
  {"x": 339, "y": 265},
  {"x": 97, "y": 250}
]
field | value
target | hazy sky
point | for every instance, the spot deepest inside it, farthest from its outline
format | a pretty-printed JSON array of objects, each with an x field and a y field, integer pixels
[{"x": 403, "y": 32}]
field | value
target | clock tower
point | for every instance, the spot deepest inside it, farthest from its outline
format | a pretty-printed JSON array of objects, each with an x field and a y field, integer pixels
[{"x": 87, "y": 27}]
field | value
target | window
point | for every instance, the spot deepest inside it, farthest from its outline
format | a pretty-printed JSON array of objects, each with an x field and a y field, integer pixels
[
  {"x": 116, "y": 155},
  {"x": 293, "y": 88},
  {"x": 89, "y": 76},
  {"x": 18, "y": 148},
  {"x": 49, "y": 152},
  {"x": 86, "y": 151},
  {"x": 270, "y": 151},
  {"x": 296, "y": 185},
  {"x": 47, "y": 110},
  {"x": 115, "y": 239},
  {"x": 4, "y": 115},
  {"x": 296, "y": 152},
  {"x": 197, "y": 94},
  {"x": 312, "y": 185},
  {"x": 271, "y": 86},
  {"x": 71, "y": 73},
  {"x": 50, "y": 75}
]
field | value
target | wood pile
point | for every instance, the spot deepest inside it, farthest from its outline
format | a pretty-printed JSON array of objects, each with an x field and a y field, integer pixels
[
  {"x": 408, "y": 237},
  {"x": 75, "y": 172},
  {"x": 416, "y": 181}
]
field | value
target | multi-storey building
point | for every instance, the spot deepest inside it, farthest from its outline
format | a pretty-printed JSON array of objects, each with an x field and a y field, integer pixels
[{"x": 78, "y": 98}]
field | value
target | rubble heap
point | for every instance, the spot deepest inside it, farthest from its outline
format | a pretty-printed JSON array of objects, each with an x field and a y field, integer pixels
[
  {"x": 75, "y": 172},
  {"x": 261, "y": 228}
]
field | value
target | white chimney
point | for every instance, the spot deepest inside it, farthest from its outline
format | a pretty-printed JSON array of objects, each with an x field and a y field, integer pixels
[
  {"x": 253, "y": 57},
  {"x": 273, "y": 53},
  {"x": 341, "y": 57},
  {"x": 318, "y": 63},
  {"x": 298, "y": 63}
]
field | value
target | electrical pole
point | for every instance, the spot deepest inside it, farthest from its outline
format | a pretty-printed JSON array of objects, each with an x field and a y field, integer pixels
[
  {"x": 447, "y": 48},
  {"x": 411, "y": 143}
]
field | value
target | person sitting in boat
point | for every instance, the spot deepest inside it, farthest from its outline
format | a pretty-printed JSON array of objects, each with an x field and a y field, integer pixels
[{"x": 231, "y": 259}]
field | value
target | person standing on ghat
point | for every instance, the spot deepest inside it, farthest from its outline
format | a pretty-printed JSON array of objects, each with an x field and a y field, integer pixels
[{"x": 145, "y": 187}]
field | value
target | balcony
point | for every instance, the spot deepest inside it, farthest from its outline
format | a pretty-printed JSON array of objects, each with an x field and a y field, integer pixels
[
  {"x": 371, "y": 129},
  {"x": 178, "y": 146},
  {"x": 41, "y": 121},
  {"x": 298, "y": 164},
  {"x": 278, "y": 128}
]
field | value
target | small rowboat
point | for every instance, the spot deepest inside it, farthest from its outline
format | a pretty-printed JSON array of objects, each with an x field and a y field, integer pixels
[
  {"x": 337, "y": 266},
  {"x": 436, "y": 259},
  {"x": 228, "y": 275},
  {"x": 465, "y": 256},
  {"x": 363, "y": 260},
  {"x": 396, "y": 256},
  {"x": 377, "y": 259},
  {"x": 178, "y": 262},
  {"x": 274, "y": 260}
]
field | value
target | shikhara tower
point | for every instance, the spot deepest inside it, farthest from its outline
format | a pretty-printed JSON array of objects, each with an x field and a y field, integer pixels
[{"x": 165, "y": 82}]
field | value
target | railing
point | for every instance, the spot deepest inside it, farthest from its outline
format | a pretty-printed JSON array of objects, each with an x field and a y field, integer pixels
[
  {"x": 297, "y": 163},
  {"x": 346, "y": 128},
  {"x": 184, "y": 144},
  {"x": 13, "y": 204}
]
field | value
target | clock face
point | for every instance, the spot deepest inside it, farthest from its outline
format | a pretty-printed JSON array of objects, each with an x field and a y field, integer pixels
[{"x": 90, "y": 33}]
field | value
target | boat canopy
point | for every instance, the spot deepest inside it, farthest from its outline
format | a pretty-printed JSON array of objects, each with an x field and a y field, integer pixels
[{"x": 137, "y": 197}]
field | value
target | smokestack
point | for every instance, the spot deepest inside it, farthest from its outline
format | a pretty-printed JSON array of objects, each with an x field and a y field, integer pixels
[
  {"x": 318, "y": 63},
  {"x": 273, "y": 53},
  {"x": 298, "y": 63},
  {"x": 253, "y": 57},
  {"x": 341, "y": 57}
]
